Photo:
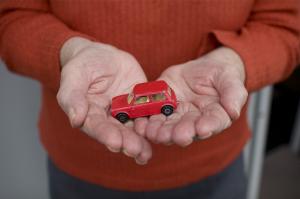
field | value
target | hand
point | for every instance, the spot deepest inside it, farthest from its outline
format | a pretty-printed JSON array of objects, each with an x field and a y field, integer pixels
[
  {"x": 211, "y": 94},
  {"x": 92, "y": 73}
]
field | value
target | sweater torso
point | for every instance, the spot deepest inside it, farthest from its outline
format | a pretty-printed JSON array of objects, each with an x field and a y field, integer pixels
[{"x": 159, "y": 33}]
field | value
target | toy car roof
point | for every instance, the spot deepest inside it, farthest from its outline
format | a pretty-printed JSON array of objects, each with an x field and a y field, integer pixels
[{"x": 150, "y": 87}]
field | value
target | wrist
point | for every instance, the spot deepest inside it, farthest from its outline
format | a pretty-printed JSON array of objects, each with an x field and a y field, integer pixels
[
  {"x": 229, "y": 57},
  {"x": 71, "y": 47}
]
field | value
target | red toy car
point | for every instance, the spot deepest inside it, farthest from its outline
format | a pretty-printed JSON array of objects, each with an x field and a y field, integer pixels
[{"x": 146, "y": 99}]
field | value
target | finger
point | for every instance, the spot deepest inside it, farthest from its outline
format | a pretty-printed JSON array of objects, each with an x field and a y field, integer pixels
[
  {"x": 199, "y": 80},
  {"x": 140, "y": 125},
  {"x": 98, "y": 126},
  {"x": 74, "y": 105},
  {"x": 129, "y": 124},
  {"x": 184, "y": 130},
  {"x": 145, "y": 154},
  {"x": 71, "y": 95},
  {"x": 132, "y": 143},
  {"x": 203, "y": 101},
  {"x": 233, "y": 96},
  {"x": 135, "y": 146},
  {"x": 164, "y": 133},
  {"x": 106, "y": 134},
  {"x": 154, "y": 123},
  {"x": 213, "y": 119}
]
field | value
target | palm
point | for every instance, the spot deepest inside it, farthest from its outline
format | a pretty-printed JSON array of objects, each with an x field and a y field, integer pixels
[
  {"x": 105, "y": 85},
  {"x": 102, "y": 89},
  {"x": 199, "y": 112},
  {"x": 209, "y": 98},
  {"x": 88, "y": 84}
]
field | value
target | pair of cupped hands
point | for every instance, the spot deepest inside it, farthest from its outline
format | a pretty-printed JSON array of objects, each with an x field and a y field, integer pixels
[{"x": 210, "y": 91}]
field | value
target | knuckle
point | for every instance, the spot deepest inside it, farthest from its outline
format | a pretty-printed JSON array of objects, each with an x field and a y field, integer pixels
[
  {"x": 111, "y": 141},
  {"x": 228, "y": 124},
  {"x": 182, "y": 139},
  {"x": 244, "y": 93},
  {"x": 134, "y": 148},
  {"x": 60, "y": 98},
  {"x": 162, "y": 138},
  {"x": 146, "y": 153},
  {"x": 183, "y": 142},
  {"x": 150, "y": 135}
]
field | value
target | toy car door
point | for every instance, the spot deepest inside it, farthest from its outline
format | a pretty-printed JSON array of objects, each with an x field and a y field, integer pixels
[
  {"x": 157, "y": 101},
  {"x": 141, "y": 105}
]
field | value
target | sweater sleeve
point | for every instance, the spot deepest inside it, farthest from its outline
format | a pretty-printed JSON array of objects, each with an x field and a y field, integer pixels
[
  {"x": 268, "y": 43},
  {"x": 31, "y": 38}
]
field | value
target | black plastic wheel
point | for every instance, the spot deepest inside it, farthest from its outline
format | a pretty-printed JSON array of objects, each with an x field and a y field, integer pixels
[
  {"x": 167, "y": 110},
  {"x": 122, "y": 117}
]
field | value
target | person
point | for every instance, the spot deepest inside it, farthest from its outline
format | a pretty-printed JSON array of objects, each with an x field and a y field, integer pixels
[{"x": 211, "y": 53}]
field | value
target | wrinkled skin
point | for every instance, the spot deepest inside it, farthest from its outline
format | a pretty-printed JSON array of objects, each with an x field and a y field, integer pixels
[
  {"x": 92, "y": 73},
  {"x": 211, "y": 94},
  {"x": 210, "y": 91}
]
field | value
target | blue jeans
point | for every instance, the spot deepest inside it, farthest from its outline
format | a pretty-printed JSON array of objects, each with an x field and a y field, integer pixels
[{"x": 228, "y": 184}]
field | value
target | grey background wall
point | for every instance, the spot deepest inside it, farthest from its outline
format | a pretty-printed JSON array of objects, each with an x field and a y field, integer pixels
[{"x": 22, "y": 158}]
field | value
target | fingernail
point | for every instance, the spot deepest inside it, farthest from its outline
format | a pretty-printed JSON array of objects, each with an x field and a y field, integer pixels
[
  {"x": 168, "y": 143},
  {"x": 126, "y": 153},
  {"x": 141, "y": 162},
  {"x": 113, "y": 150},
  {"x": 72, "y": 114},
  {"x": 206, "y": 136},
  {"x": 237, "y": 112},
  {"x": 187, "y": 143}
]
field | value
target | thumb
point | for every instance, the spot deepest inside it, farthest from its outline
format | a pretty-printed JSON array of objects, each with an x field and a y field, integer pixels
[
  {"x": 233, "y": 95},
  {"x": 72, "y": 96}
]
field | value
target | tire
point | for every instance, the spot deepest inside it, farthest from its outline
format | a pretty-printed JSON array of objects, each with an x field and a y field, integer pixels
[
  {"x": 122, "y": 117},
  {"x": 167, "y": 110}
]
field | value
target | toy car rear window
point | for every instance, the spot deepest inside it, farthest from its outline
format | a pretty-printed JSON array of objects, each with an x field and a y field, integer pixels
[
  {"x": 141, "y": 100},
  {"x": 158, "y": 97}
]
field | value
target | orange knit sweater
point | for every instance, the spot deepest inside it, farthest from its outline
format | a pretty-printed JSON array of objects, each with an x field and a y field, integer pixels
[{"x": 159, "y": 33}]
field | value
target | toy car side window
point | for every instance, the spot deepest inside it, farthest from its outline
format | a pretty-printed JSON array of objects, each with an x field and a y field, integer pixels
[
  {"x": 158, "y": 97},
  {"x": 129, "y": 98},
  {"x": 141, "y": 100}
]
